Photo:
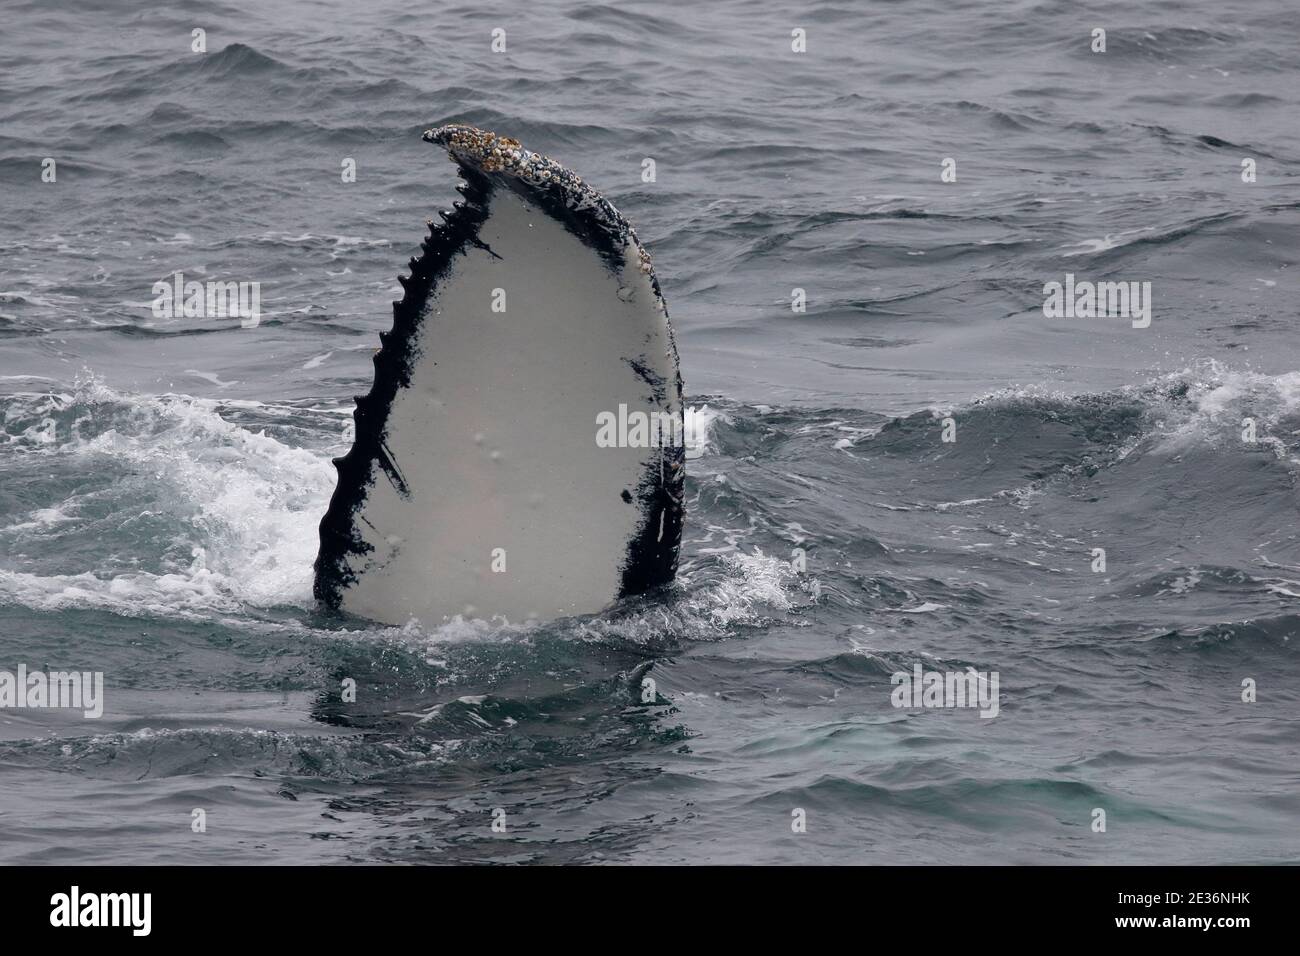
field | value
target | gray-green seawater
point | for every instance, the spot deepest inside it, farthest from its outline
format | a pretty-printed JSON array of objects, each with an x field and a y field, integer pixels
[{"x": 161, "y": 481}]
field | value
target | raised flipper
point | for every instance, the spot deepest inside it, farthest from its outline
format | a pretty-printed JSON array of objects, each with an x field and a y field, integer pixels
[{"x": 476, "y": 485}]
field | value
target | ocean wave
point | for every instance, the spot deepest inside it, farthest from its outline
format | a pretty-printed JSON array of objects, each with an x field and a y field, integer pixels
[
  {"x": 236, "y": 510},
  {"x": 164, "y": 752},
  {"x": 227, "y": 514},
  {"x": 1274, "y": 632}
]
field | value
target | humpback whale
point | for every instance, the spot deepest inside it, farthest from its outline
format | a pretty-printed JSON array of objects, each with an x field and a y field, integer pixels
[{"x": 483, "y": 480}]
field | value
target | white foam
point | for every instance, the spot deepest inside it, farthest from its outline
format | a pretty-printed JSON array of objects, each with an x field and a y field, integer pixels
[
  {"x": 924, "y": 608},
  {"x": 318, "y": 361},
  {"x": 1087, "y": 247},
  {"x": 1220, "y": 398},
  {"x": 699, "y": 422},
  {"x": 41, "y": 518},
  {"x": 210, "y": 377},
  {"x": 250, "y": 504},
  {"x": 755, "y": 585}
]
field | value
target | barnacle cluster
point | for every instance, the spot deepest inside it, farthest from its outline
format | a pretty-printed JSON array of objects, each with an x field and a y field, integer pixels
[{"x": 490, "y": 152}]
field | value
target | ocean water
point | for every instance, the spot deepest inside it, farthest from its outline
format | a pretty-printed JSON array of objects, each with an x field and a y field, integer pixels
[{"x": 161, "y": 480}]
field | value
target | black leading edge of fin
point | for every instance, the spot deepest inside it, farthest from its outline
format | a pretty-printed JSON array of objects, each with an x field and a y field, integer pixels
[{"x": 338, "y": 537}]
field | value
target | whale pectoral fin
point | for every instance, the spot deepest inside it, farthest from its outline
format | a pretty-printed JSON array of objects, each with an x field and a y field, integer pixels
[{"x": 500, "y": 466}]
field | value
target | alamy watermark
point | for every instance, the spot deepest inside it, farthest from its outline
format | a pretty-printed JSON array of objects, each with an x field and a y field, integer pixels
[
  {"x": 930, "y": 689},
  {"x": 70, "y": 690},
  {"x": 130, "y": 910},
  {"x": 638, "y": 429},
  {"x": 212, "y": 299},
  {"x": 1098, "y": 300}
]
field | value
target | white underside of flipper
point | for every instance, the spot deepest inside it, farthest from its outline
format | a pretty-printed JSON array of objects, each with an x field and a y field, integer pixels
[{"x": 486, "y": 493}]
